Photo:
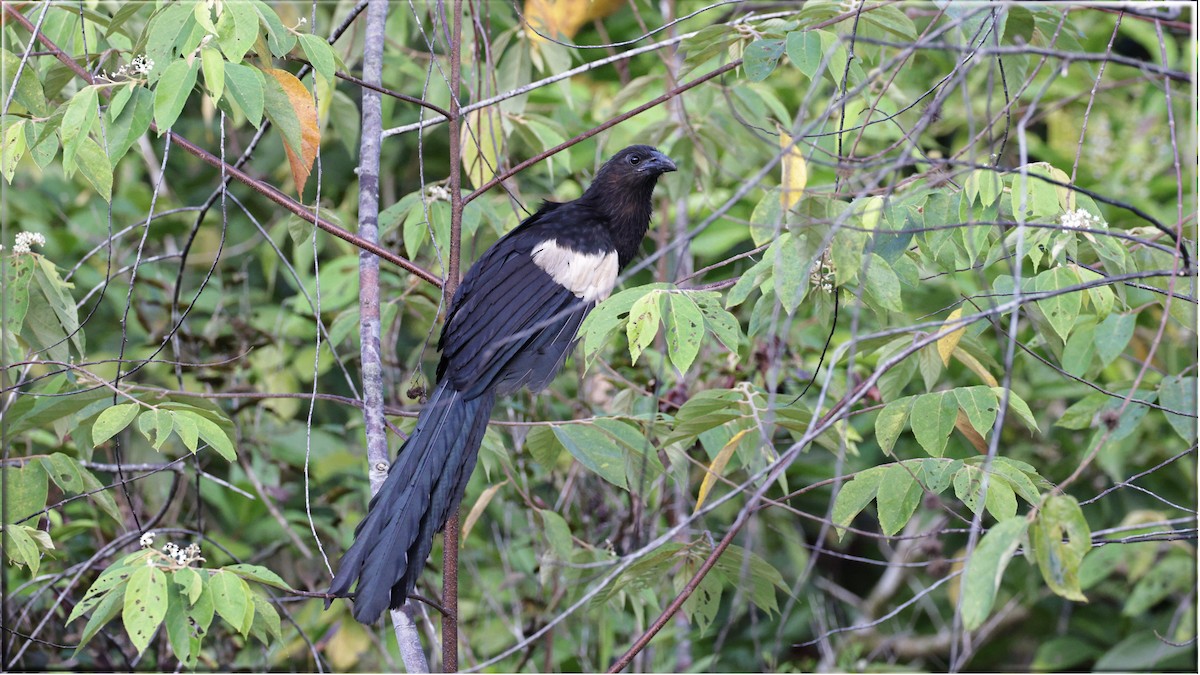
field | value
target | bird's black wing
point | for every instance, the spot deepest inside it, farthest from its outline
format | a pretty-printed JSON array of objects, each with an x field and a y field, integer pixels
[{"x": 512, "y": 323}]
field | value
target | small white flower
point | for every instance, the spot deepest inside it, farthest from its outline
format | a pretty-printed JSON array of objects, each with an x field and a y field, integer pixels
[
  {"x": 147, "y": 539},
  {"x": 1079, "y": 219},
  {"x": 439, "y": 193},
  {"x": 25, "y": 241}
]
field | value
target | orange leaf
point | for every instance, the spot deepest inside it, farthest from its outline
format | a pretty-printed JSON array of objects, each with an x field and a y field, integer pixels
[{"x": 301, "y": 101}]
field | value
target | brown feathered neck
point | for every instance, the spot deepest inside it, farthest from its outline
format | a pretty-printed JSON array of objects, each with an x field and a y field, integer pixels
[{"x": 623, "y": 197}]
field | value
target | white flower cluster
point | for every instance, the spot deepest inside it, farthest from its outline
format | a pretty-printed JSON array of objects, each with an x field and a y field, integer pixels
[
  {"x": 147, "y": 539},
  {"x": 822, "y": 274},
  {"x": 25, "y": 241},
  {"x": 439, "y": 193},
  {"x": 140, "y": 66},
  {"x": 1079, "y": 219},
  {"x": 182, "y": 556}
]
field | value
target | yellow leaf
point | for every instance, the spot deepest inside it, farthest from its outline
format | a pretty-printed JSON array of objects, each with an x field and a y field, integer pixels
[
  {"x": 477, "y": 509},
  {"x": 795, "y": 172},
  {"x": 717, "y": 467},
  {"x": 963, "y": 424},
  {"x": 948, "y": 343},
  {"x": 976, "y": 367},
  {"x": 347, "y": 646},
  {"x": 310, "y": 136},
  {"x": 564, "y": 18},
  {"x": 481, "y": 138}
]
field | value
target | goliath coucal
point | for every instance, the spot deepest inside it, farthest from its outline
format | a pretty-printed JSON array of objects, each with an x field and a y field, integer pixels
[{"x": 510, "y": 325}]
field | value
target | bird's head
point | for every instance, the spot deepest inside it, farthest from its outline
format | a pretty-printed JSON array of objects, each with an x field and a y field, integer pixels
[{"x": 637, "y": 166}]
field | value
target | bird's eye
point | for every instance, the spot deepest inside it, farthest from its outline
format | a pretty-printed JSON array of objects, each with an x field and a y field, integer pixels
[{"x": 634, "y": 159}]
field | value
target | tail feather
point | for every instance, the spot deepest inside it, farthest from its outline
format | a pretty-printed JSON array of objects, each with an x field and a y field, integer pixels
[{"x": 423, "y": 486}]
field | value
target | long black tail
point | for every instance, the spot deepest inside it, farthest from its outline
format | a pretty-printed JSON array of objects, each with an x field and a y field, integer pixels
[{"x": 424, "y": 485}]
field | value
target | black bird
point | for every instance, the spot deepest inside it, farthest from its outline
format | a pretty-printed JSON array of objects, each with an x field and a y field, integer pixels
[{"x": 510, "y": 325}]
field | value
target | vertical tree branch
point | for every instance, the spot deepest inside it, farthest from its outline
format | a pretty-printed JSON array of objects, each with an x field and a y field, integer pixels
[
  {"x": 368, "y": 298},
  {"x": 450, "y": 532}
]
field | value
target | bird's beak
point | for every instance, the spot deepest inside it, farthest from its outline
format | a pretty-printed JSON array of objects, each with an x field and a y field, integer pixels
[{"x": 662, "y": 163}]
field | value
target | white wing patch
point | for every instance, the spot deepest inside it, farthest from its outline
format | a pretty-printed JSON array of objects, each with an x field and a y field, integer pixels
[{"x": 590, "y": 276}]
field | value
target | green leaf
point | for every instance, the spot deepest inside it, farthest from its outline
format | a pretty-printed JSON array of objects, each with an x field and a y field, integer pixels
[
  {"x": 882, "y": 284},
  {"x": 929, "y": 361},
  {"x": 968, "y": 487},
  {"x": 1016, "y": 479},
  {"x": 112, "y": 421},
  {"x": 898, "y": 496},
  {"x": 319, "y": 54},
  {"x": 145, "y": 605},
  {"x": 29, "y": 91},
  {"x": 279, "y": 39},
  {"x": 156, "y": 426},
  {"x": 805, "y": 51},
  {"x": 25, "y": 490},
  {"x": 643, "y": 323},
  {"x": 854, "y": 497},
  {"x": 1063, "y": 654},
  {"x": 106, "y": 610},
  {"x": 237, "y": 29},
  {"x": 20, "y": 548},
  {"x": 718, "y": 320},
  {"x": 112, "y": 578},
  {"x": 231, "y": 599},
  {"x": 266, "y": 620},
  {"x": 200, "y": 616},
  {"x": 1179, "y": 393},
  {"x": 891, "y": 421},
  {"x": 216, "y": 437},
  {"x": 847, "y": 254},
  {"x": 1001, "y": 501},
  {"x": 166, "y": 32},
  {"x": 543, "y": 445},
  {"x": 1017, "y": 405},
  {"x": 1060, "y": 537},
  {"x": 129, "y": 124},
  {"x": 246, "y": 87},
  {"x": 937, "y": 474},
  {"x": 760, "y": 58},
  {"x": 213, "y": 65},
  {"x": 932, "y": 420},
  {"x": 80, "y": 114},
  {"x": 12, "y": 150},
  {"x": 1112, "y": 336},
  {"x": 980, "y": 405},
  {"x": 1080, "y": 348},
  {"x": 188, "y": 429},
  {"x": 685, "y": 330},
  {"x": 1061, "y": 310},
  {"x": 172, "y": 92},
  {"x": 594, "y": 450},
  {"x": 179, "y": 632},
  {"x": 893, "y": 20},
  {"x": 1174, "y": 576},
  {"x": 986, "y": 568},
  {"x": 260, "y": 574},
  {"x": 64, "y": 471},
  {"x": 189, "y": 582},
  {"x": 96, "y": 168},
  {"x": 792, "y": 258},
  {"x": 765, "y": 222},
  {"x": 557, "y": 532}
]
